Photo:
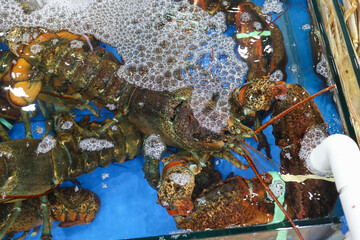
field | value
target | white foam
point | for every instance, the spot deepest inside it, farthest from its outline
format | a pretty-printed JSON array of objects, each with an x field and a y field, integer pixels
[
  {"x": 153, "y": 146},
  {"x": 36, "y": 48},
  {"x": 94, "y": 144},
  {"x": 180, "y": 178},
  {"x": 76, "y": 44},
  {"x": 274, "y": 6},
  {"x": 312, "y": 138},
  {"x": 306, "y": 27},
  {"x": 322, "y": 68},
  {"x": 201, "y": 201},
  {"x": 39, "y": 130},
  {"x": 160, "y": 41},
  {"x": 66, "y": 125},
  {"x": 277, "y": 75},
  {"x": 46, "y": 144}
]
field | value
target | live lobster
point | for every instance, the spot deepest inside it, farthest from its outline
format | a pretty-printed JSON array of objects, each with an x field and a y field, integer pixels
[
  {"x": 71, "y": 206},
  {"x": 72, "y": 74}
]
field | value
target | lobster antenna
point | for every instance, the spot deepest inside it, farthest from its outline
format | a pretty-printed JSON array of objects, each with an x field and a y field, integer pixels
[
  {"x": 248, "y": 159},
  {"x": 261, "y": 155},
  {"x": 280, "y": 115},
  {"x": 247, "y": 153}
]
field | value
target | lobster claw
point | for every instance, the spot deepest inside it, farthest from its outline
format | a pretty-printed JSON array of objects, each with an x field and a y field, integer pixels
[
  {"x": 259, "y": 95},
  {"x": 24, "y": 93}
]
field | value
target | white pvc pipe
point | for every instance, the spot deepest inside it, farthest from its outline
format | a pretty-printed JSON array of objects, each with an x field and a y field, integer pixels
[{"x": 340, "y": 155}]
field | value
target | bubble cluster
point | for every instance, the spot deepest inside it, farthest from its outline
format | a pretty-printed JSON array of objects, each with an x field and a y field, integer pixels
[
  {"x": 201, "y": 201},
  {"x": 257, "y": 26},
  {"x": 180, "y": 178},
  {"x": 66, "y": 125},
  {"x": 312, "y": 138},
  {"x": 277, "y": 75},
  {"x": 111, "y": 107},
  {"x": 154, "y": 147},
  {"x": 39, "y": 130},
  {"x": 46, "y": 144},
  {"x": 245, "y": 17},
  {"x": 36, "y": 48},
  {"x": 294, "y": 68},
  {"x": 54, "y": 41},
  {"x": 163, "y": 43},
  {"x": 274, "y": 6},
  {"x": 94, "y": 144},
  {"x": 306, "y": 27},
  {"x": 322, "y": 68},
  {"x": 76, "y": 44}
]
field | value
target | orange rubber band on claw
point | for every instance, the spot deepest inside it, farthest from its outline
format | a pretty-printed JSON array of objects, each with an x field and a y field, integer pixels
[
  {"x": 172, "y": 165},
  {"x": 241, "y": 93},
  {"x": 172, "y": 212}
]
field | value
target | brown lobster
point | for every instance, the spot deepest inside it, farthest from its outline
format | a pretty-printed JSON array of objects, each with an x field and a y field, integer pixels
[
  {"x": 70, "y": 206},
  {"x": 240, "y": 201},
  {"x": 58, "y": 67},
  {"x": 259, "y": 42}
]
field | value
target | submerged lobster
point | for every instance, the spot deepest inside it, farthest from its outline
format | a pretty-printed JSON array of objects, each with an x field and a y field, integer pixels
[
  {"x": 70, "y": 206},
  {"x": 80, "y": 74},
  {"x": 240, "y": 201},
  {"x": 259, "y": 42},
  {"x": 48, "y": 68},
  {"x": 65, "y": 69}
]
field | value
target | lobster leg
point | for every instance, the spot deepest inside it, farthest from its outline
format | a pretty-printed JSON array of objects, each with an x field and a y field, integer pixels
[
  {"x": 68, "y": 101},
  {"x": 62, "y": 119},
  {"x": 263, "y": 143},
  {"x": 115, "y": 120},
  {"x": 23, "y": 236},
  {"x": 45, "y": 213},
  {"x": 27, "y": 125},
  {"x": 11, "y": 218},
  {"x": 152, "y": 172},
  {"x": 3, "y": 134},
  {"x": 230, "y": 157},
  {"x": 153, "y": 149},
  {"x": 47, "y": 112}
]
